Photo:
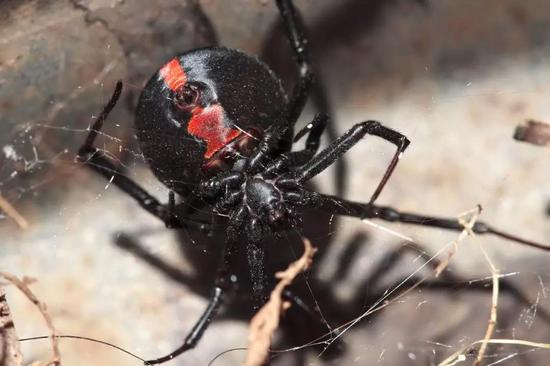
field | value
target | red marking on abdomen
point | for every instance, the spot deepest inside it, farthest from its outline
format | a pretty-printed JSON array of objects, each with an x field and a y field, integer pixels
[
  {"x": 207, "y": 124},
  {"x": 173, "y": 74}
]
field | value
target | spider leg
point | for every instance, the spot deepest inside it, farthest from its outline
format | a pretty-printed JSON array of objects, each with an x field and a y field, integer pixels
[
  {"x": 296, "y": 158},
  {"x": 223, "y": 283},
  {"x": 272, "y": 139},
  {"x": 317, "y": 94},
  {"x": 213, "y": 188},
  {"x": 91, "y": 157},
  {"x": 315, "y": 129},
  {"x": 345, "y": 142},
  {"x": 198, "y": 329},
  {"x": 320, "y": 99},
  {"x": 339, "y": 206},
  {"x": 295, "y": 33},
  {"x": 256, "y": 256}
]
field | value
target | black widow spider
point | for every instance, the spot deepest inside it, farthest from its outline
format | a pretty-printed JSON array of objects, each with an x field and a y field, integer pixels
[{"x": 217, "y": 129}]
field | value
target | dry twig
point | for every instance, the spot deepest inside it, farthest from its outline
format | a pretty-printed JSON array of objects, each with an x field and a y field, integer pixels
[
  {"x": 22, "y": 286},
  {"x": 266, "y": 320},
  {"x": 11, "y": 212}
]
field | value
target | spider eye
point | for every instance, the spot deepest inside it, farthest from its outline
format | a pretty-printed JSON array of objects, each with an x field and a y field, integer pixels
[{"x": 187, "y": 97}]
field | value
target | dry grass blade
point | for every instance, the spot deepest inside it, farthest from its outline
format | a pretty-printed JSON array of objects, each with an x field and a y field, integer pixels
[
  {"x": 460, "y": 355},
  {"x": 468, "y": 225},
  {"x": 444, "y": 263},
  {"x": 382, "y": 303},
  {"x": 266, "y": 320},
  {"x": 11, "y": 212},
  {"x": 467, "y": 231},
  {"x": 22, "y": 286},
  {"x": 494, "y": 305}
]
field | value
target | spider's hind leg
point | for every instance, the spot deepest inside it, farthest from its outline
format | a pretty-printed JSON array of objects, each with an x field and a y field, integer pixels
[
  {"x": 96, "y": 160},
  {"x": 223, "y": 284}
]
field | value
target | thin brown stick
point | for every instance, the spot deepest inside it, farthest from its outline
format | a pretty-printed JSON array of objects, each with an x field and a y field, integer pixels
[
  {"x": 12, "y": 213},
  {"x": 22, "y": 286},
  {"x": 266, "y": 320}
]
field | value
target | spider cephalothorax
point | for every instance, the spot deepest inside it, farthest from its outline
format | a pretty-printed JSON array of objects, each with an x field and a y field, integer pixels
[{"x": 258, "y": 204}]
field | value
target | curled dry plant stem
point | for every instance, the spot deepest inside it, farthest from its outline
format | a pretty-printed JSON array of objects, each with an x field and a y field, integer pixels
[
  {"x": 266, "y": 320},
  {"x": 10, "y": 354},
  {"x": 22, "y": 286}
]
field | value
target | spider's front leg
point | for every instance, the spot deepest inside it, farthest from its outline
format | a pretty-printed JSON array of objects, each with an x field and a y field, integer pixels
[
  {"x": 345, "y": 142},
  {"x": 308, "y": 77},
  {"x": 295, "y": 33},
  {"x": 223, "y": 190},
  {"x": 94, "y": 159},
  {"x": 293, "y": 159},
  {"x": 271, "y": 140}
]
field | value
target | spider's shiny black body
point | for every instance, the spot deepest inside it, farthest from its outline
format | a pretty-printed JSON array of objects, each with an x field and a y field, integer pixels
[
  {"x": 217, "y": 129},
  {"x": 233, "y": 101},
  {"x": 239, "y": 97}
]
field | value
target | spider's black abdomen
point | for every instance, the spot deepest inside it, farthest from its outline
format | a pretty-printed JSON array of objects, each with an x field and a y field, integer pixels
[
  {"x": 251, "y": 94},
  {"x": 200, "y": 108}
]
